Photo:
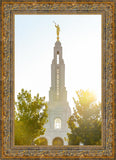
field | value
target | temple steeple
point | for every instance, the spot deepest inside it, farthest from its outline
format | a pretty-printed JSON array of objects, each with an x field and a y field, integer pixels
[
  {"x": 58, "y": 107},
  {"x": 57, "y": 90}
]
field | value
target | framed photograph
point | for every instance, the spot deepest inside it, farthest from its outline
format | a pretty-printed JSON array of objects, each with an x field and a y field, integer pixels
[{"x": 57, "y": 80}]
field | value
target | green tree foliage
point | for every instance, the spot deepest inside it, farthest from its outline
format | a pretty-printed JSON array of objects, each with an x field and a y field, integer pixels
[
  {"x": 41, "y": 141},
  {"x": 30, "y": 117},
  {"x": 85, "y": 122}
]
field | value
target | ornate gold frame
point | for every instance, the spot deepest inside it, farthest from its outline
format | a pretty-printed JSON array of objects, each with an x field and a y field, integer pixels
[{"x": 106, "y": 9}]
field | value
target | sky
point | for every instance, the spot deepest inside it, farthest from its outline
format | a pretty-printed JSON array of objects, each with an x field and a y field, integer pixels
[{"x": 80, "y": 37}]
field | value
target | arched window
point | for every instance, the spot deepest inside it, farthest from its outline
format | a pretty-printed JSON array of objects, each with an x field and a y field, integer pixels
[
  {"x": 57, "y": 123},
  {"x": 57, "y": 57}
]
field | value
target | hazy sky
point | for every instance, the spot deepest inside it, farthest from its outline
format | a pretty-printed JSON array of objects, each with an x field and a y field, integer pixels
[{"x": 80, "y": 37}]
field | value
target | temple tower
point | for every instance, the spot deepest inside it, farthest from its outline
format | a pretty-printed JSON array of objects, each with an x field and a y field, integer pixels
[
  {"x": 58, "y": 107},
  {"x": 57, "y": 91}
]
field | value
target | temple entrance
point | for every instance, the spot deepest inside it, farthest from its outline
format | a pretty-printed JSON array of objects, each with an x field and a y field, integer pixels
[{"x": 57, "y": 142}]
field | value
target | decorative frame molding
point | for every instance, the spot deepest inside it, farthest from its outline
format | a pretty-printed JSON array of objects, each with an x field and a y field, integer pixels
[{"x": 106, "y": 9}]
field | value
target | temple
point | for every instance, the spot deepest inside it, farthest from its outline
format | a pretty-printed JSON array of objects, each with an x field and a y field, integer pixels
[{"x": 58, "y": 107}]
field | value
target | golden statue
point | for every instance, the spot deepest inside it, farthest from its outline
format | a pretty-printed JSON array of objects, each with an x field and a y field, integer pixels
[{"x": 58, "y": 30}]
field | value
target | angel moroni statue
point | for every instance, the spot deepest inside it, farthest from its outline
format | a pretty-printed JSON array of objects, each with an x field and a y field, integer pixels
[{"x": 57, "y": 31}]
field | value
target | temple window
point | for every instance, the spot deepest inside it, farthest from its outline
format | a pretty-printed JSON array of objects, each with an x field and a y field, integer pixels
[
  {"x": 57, "y": 123},
  {"x": 57, "y": 57}
]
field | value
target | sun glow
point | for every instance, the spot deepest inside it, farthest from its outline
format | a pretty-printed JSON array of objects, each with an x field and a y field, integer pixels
[{"x": 80, "y": 37}]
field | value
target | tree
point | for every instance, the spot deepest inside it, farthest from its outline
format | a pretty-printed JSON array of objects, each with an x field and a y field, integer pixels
[
  {"x": 85, "y": 122},
  {"x": 30, "y": 117},
  {"x": 41, "y": 141}
]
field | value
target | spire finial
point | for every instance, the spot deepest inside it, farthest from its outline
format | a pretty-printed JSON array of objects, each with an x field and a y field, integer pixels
[{"x": 57, "y": 30}]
